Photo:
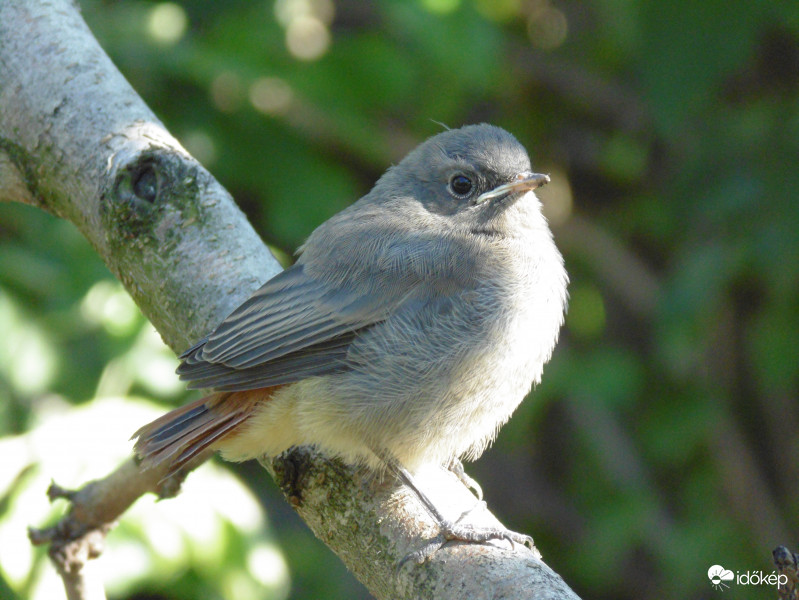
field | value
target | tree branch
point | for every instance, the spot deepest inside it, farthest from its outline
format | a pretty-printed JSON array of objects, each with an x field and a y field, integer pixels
[
  {"x": 80, "y": 143},
  {"x": 95, "y": 508}
]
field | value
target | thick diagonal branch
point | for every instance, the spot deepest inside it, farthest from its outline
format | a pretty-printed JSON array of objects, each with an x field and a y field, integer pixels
[{"x": 89, "y": 150}]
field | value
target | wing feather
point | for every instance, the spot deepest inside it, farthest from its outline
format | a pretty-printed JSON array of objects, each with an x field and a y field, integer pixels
[
  {"x": 300, "y": 324},
  {"x": 292, "y": 328}
]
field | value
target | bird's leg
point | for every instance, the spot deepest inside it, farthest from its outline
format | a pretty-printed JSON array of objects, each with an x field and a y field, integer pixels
[
  {"x": 449, "y": 530},
  {"x": 455, "y": 467}
]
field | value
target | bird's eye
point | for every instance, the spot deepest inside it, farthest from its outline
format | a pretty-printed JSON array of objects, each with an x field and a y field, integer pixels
[{"x": 460, "y": 185}]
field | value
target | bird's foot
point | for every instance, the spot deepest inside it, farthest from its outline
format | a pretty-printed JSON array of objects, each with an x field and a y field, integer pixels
[
  {"x": 451, "y": 531},
  {"x": 457, "y": 532}
]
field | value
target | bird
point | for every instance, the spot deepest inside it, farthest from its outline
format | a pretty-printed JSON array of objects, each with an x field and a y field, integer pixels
[{"x": 410, "y": 327}]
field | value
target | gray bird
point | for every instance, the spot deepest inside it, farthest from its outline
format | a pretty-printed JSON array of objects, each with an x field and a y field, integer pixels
[{"x": 411, "y": 326}]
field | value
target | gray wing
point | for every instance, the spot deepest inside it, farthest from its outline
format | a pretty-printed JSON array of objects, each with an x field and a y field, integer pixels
[{"x": 293, "y": 327}]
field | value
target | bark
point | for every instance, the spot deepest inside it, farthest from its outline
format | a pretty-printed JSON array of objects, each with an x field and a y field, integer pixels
[{"x": 77, "y": 141}]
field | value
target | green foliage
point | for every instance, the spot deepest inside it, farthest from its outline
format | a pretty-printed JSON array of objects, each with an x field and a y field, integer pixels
[{"x": 663, "y": 437}]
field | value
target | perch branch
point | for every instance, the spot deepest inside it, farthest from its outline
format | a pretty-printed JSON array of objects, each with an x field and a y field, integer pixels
[{"x": 89, "y": 150}]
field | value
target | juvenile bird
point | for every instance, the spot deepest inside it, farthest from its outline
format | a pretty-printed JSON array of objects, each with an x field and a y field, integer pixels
[{"x": 411, "y": 326}]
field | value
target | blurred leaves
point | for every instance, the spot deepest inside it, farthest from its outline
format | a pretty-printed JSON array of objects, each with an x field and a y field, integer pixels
[
  {"x": 662, "y": 439},
  {"x": 221, "y": 538}
]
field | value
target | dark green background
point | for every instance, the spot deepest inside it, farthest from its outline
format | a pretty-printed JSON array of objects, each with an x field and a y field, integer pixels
[{"x": 663, "y": 439}]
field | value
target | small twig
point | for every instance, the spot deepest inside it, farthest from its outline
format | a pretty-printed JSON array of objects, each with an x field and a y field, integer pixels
[
  {"x": 787, "y": 564},
  {"x": 80, "y": 535},
  {"x": 70, "y": 549}
]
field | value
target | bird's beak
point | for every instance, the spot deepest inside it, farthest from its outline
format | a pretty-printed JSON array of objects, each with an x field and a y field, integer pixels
[{"x": 524, "y": 182}]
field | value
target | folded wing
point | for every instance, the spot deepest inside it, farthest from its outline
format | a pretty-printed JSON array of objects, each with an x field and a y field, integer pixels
[{"x": 292, "y": 328}]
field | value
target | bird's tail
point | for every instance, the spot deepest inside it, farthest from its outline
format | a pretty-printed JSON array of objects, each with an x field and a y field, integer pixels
[{"x": 184, "y": 434}]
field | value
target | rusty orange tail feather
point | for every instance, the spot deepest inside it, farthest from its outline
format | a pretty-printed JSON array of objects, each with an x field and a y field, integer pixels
[{"x": 179, "y": 436}]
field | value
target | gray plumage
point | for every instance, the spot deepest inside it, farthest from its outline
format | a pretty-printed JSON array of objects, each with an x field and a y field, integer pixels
[{"x": 412, "y": 324}]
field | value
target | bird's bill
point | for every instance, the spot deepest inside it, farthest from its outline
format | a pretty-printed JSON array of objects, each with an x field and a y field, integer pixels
[{"x": 524, "y": 183}]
